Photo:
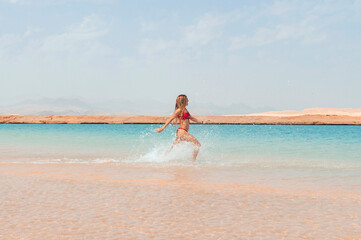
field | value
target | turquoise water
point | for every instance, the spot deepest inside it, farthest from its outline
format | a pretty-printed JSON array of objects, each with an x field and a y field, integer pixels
[{"x": 248, "y": 146}]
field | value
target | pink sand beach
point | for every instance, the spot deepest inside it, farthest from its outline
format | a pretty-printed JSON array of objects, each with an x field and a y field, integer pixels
[{"x": 80, "y": 201}]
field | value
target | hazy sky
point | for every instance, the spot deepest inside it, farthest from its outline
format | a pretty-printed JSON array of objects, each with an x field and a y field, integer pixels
[{"x": 283, "y": 54}]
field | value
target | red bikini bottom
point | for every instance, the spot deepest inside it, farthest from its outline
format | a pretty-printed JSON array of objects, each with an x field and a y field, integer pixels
[{"x": 182, "y": 129}]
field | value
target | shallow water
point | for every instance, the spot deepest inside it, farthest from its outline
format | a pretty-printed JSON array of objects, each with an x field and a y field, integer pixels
[
  {"x": 260, "y": 146},
  {"x": 113, "y": 182},
  {"x": 87, "y": 201},
  {"x": 332, "y": 154}
]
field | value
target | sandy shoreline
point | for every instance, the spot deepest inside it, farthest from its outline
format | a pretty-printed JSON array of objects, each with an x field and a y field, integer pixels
[
  {"x": 74, "y": 201},
  {"x": 316, "y": 119}
]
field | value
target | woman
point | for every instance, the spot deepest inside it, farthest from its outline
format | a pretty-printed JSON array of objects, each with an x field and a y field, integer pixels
[{"x": 184, "y": 116}]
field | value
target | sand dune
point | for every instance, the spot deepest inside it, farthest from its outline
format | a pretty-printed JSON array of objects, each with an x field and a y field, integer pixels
[
  {"x": 313, "y": 116},
  {"x": 356, "y": 112}
]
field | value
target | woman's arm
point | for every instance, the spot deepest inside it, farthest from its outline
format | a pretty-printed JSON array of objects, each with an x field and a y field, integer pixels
[
  {"x": 196, "y": 120},
  {"x": 175, "y": 114}
]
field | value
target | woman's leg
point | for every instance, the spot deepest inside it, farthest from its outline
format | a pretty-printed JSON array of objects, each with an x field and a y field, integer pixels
[
  {"x": 185, "y": 136},
  {"x": 176, "y": 141}
]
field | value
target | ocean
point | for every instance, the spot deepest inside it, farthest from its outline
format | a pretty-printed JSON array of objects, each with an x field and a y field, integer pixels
[
  {"x": 240, "y": 146},
  {"x": 113, "y": 182}
]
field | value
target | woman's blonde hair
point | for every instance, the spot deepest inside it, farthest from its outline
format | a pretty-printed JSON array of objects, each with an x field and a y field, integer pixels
[{"x": 181, "y": 102}]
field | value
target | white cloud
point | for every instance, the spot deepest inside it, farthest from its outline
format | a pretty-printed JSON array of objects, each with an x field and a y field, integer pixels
[
  {"x": 194, "y": 36},
  {"x": 8, "y": 43},
  {"x": 147, "y": 26},
  {"x": 9, "y": 39},
  {"x": 151, "y": 47},
  {"x": 31, "y": 31},
  {"x": 264, "y": 36},
  {"x": 78, "y": 38},
  {"x": 91, "y": 27},
  {"x": 280, "y": 8},
  {"x": 81, "y": 42},
  {"x": 203, "y": 31},
  {"x": 54, "y": 2},
  {"x": 12, "y": 44},
  {"x": 306, "y": 21},
  {"x": 357, "y": 4}
]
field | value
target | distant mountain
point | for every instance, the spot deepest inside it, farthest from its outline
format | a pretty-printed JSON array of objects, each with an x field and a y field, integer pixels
[
  {"x": 51, "y": 106},
  {"x": 137, "y": 107},
  {"x": 238, "y": 109},
  {"x": 76, "y": 106},
  {"x": 150, "y": 107}
]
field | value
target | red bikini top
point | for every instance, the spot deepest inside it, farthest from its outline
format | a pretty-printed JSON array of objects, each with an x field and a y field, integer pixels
[{"x": 186, "y": 115}]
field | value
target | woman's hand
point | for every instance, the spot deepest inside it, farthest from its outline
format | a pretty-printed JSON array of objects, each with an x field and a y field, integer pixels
[
  {"x": 158, "y": 130},
  {"x": 205, "y": 122}
]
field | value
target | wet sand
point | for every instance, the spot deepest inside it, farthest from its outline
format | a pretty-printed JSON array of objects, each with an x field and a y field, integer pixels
[
  {"x": 101, "y": 201},
  {"x": 314, "y": 119}
]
